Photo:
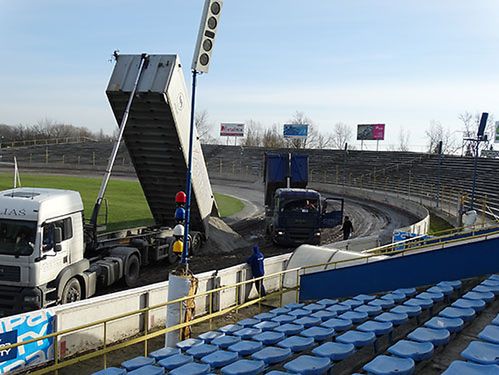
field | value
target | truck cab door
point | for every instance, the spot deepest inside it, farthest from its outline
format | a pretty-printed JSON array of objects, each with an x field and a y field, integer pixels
[{"x": 332, "y": 212}]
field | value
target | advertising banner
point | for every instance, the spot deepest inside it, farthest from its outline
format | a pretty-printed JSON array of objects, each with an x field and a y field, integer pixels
[
  {"x": 295, "y": 130},
  {"x": 497, "y": 132},
  {"x": 23, "y": 327},
  {"x": 370, "y": 132},
  {"x": 231, "y": 130}
]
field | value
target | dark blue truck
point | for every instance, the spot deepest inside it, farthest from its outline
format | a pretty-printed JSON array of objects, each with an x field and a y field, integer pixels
[{"x": 294, "y": 214}]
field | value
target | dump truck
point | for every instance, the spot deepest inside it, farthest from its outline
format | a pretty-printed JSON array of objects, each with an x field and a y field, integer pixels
[
  {"x": 50, "y": 253},
  {"x": 294, "y": 214}
]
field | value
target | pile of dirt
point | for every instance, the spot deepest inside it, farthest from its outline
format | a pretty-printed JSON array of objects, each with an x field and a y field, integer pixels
[{"x": 222, "y": 239}]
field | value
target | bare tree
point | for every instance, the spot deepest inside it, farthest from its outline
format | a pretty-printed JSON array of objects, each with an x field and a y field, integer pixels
[
  {"x": 471, "y": 123},
  {"x": 254, "y": 134},
  {"x": 273, "y": 138},
  {"x": 404, "y": 136},
  {"x": 203, "y": 127},
  {"x": 437, "y": 133},
  {"x": 342, "y": 134}
]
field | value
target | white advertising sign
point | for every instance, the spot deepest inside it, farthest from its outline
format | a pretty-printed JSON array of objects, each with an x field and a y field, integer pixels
[{"x": 231, "y": 130}]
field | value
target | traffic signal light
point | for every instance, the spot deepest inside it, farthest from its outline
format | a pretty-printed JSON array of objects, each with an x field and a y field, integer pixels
[{"x": 206, "y": 37}]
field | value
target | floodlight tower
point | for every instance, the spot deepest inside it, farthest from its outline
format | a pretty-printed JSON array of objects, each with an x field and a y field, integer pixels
[
  {"x": 480, "y": 137},
  {"x": 200, "y": 64}
]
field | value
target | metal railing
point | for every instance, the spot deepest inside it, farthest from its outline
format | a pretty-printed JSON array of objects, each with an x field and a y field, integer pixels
[{"x": 146, "y": 335}]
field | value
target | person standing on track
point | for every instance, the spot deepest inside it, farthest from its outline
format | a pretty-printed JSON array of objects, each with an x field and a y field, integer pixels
[
  {"x": 257, "y": 269},
  {"x": 347, "y": 228}
]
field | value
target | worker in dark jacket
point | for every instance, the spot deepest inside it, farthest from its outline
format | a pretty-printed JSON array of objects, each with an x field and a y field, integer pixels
[
  {"x": 257, "y": 269},
  {"x": 347, "y": 228}
]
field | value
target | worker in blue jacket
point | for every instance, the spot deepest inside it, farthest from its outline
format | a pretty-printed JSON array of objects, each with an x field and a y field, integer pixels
[{"x": 257, "y": 269}]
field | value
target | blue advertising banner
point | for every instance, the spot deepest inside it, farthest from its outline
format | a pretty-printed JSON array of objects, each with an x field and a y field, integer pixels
[
  {"x": 295, "y": 130},
  {"x": 23, "y": 327}
]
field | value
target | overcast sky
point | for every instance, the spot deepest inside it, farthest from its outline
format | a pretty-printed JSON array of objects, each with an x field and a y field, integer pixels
[{"x": 402, "y": 63}]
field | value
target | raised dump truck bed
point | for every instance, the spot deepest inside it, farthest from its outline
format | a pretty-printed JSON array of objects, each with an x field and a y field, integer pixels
[{"x": 157, "y": 136}]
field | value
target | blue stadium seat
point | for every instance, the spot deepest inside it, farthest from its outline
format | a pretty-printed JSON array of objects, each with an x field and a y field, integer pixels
[
  {"x": 386, "y": 365},
  {"x": 339, "y": 309},
  {"x": 355, "y": 316},
  {"x": 308, "y": 365},
  {"x": 265, "y": 316},
  {"x": 456, "y": 312},
  {"x": 423, "y": 303},
  {"x": 314, "y": 307},
  {"x": 494, "y": 277},
  {"x": 162, "y": 353},
  {"x": 481, "y": 352},
  {"x": 364, "y": 298},
  {"x": 352, "y": 303},
  {"x": 411, "y": 311},
  {"x": 266, "y": 325},
  {"x": 475, "y": 304},
  {"x": 283, "y": 319},
  {"x": 298, "y": 313},
  {"x": 486, "y": 296},
  {"x": 191, "y": 369},
  {"x": 470, "y": 368},
  {"x": 490, "y": 333},
  {"x": 337, "y": 324},
  {"x": 385, "y": 304},
  {"x": 111, "y": 371},
  {"x": 220, "y": 358},
  {"x": 175, "y": 361},
  {"x": 397, "y": 297},
  {"x": 327, "y": 302},
  {"x": 455, "y": 284},
  {"x": 148, "y": 370},
  {"x": 324, "y": 315},
  {"x": 135, "y": 363},
  {"x": 450, "y": 324},
  {"x": 488, "y": 282},
  {"x": 496, "y": 320},
  {"x": 269, "y": 337},
  {"x": 487, "y": 288},
  {"x": 247, "y": 333},
  {"x": 280, "y": 310},
  {"x": 199, "y": 351},
  {"x": 446, "y": 289},
  {"x": 318, "y": 333},
  {"x": 436, "y": 336},
  {"x": 335, "y": 351},
  {"x": 207, "y": 337},
  {"x": 229, "y": 328},
  {"x": 408, "y": 292},
  {"x": 434, "y": 296},
  {"x": 379, "y": 328},
  {"x": 418, "y": 351},
  {"x": 275, "y": 372},
  {"x": 249, "y": 322},
  {"x": 246, "y": 347},
  {"x": 308, "y": 321},
  {"x": 272, "y": 355},
  {"x": 225, "y": 341},
  {"x": 243, "y": 367},
  {"x": 289, "y": 329},
  {"x": 296, "y": 343},
  {"x": 293, "y": 306},
  {"x": 370, "y": 310},
  {"x": 357, "y": 338},
  {"x": 395, "y": 318},
  {"x": 188, "y": 343}
]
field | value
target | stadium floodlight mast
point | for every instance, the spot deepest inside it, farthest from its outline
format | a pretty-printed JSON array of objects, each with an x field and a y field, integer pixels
[{"x": 200, "y": 64}]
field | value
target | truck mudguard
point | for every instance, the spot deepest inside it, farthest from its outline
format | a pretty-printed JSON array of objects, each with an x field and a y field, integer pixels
[{"x": 75, "y": 269}]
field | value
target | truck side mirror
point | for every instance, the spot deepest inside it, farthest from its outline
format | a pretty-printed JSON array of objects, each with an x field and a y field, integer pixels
[{"x": 57, "y": 239}]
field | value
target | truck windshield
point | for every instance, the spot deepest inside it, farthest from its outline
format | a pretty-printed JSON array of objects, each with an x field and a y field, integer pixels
[
  {"x": 17, "y": 237},
  {"x": 301, "y": 205}
]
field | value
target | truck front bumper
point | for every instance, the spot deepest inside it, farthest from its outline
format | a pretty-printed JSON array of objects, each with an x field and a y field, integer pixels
[{"x": 14, "y": 300}]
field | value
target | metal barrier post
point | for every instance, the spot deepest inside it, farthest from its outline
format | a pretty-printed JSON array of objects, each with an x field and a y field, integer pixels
[
  {"x": 297, "y": 298},
  {"x": 105, "y": 344},
  {"x": 237, "y": 299},
  {"x": 210, "y": 309},
  {"x": 146, "y": 328},
  {"x": 56, "y": 352},
  {"x": 180, "y": 320},
  {"x": 281, "y": 287}
]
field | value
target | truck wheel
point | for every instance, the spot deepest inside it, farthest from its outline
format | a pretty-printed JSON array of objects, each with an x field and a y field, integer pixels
[
  {"x": 132, "y": 270},
  {"x": 72, "y": 291}
]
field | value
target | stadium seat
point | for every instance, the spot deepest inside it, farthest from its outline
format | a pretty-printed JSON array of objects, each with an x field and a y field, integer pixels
[
  {"x": 298, "y": 313},
  {"x": 189, "y": 343},
  {"x": 199, "y": 351},
  {"x": 490, "y": 282},
  {"x": 408, "y": 292},
  {"x": 434, "y": 296},
  {"x": 446, "y": 289},
  {"x": 397, "y": 297},
  {"x": 293, "y": 306},
  {"x": 275, "y": 372},
  {"x": 490, "y": 334},
  {"x": 327, "y": 302},
  {"x": 111, "y": 371},
  {"x": 357, "y": 338},
  {"x": 423, "y": 303},
  {"x": 370, "y": 310},
  {"x": 379, "y": 328},
  {"x": 457, "y": 312},
  {"x": 220, "y": 358},
  {"x": 266, "y": 325},
  {"x": 271, "y": 355},
  {"x": 283, "y": 319},
  {"x": 265, "y": 316},
  {"x": 249, "y": 322},
  {"x": 481, "y": 352},
  {"x": 246, "y": 347},
  {"x": 487, "y": 288},
  {"x": 418, "y": 351},
  {"x": 191, "y": 369},
  {"x": 247, "y": 333},
  {"x": 162, "y": 353},
  {"x": 280, "y": 310},
  {"x": 149, "y": 370},
  {"x": 496, "y": 320},
  {"x": 308, "y": 365},
  {"x": 339, "y": 309},
  {"x": 289, "y": 329},
  {"x": 313, "y": 307},
  {"x": 225, "y": 341},
  {"x": 455, "y": 284},
  {"x": 352, "y": 303},
  {"x": 324, "y": 315},
  {"x": 395, "y": 318},
  {"x": 411, "y": 311},
  {"x": 486, "y": 296},
  {"x": 308, "y": 321},
  {"x": 364, "y": 298},
  {"x": 207, "y": 337},
  {"x": 385, "y": 304},
  {"x": 135, "y": 363},
  {"x": 470, "y": 368},
  {"x": 229, "y": 328},
  {"x": 269, "y": 337},
  {"x": 337, "y": 324},
  {"x": 175, "y": 361},
  {"x": 335, "y": 351},
  {"x": 494, "y": 277},
  {"x": 318, "y": 333},
  {"x": 243, "y": 367},
  {"x": 386, "y": 365},
  {"x": 450, "y": 324},
  {"x": 436, "y": 336},
  {"x": 296, "y": 343},
  {"x": 355, "y": 316},
  {"x": 475, "y": 304}
]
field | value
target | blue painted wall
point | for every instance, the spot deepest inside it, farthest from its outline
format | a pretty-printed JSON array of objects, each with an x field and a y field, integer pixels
[{"x": 450, "y": 263}]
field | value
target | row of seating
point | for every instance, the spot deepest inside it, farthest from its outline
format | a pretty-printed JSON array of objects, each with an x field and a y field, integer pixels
[{"x": 296, "y": 337}]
